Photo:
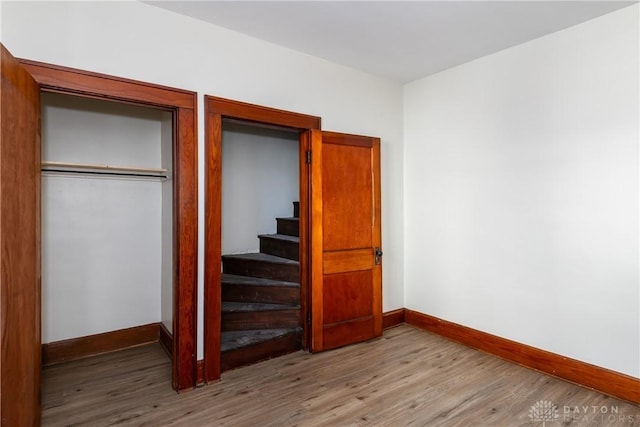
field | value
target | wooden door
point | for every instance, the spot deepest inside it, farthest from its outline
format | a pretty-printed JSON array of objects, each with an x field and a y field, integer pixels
[
  {"x": 19, "y": 245},
  {"x": 346, "y": 273}
]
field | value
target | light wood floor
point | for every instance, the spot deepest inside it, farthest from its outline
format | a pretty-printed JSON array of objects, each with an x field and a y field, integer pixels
[{"x": 406, "y": 378}]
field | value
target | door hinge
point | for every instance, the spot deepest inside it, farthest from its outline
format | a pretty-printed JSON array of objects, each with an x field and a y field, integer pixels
[
  {"x": 308, "y": 156},
  {"x": 308, "y": 317}
]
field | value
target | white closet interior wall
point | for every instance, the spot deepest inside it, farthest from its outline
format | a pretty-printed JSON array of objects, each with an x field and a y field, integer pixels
[{"x": 106, "y": 241}]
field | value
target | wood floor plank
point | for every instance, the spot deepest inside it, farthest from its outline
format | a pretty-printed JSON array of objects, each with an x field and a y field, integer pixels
[{"x": 408, "y": 377}]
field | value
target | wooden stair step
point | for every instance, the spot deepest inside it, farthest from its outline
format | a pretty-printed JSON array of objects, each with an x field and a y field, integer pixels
[
  {"x": 255, "y": 289},
  {"x": 261, "y": 265},
  {"x": 261, "y": 298},
  {"x": 238, "y": 316},
  {"x": 240, "y": 348},
  {"x": 234, "y": 279},
  {"x": 280, "y": 245},
  {"x": 288, "y": 225},
  {"x": 243, "y": 307},
  {"x": 232, "y": 340}
]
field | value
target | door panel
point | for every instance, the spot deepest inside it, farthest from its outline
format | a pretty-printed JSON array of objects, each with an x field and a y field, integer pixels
[
  {"x": 346, "y": 189},
  {"x": 347, "y": 296},
  {"x": 348, "y": 260},
  {"x": 20, "y": 245},
  {"x": 346, "y": 282},
  {"x": 341, "y": 334}
]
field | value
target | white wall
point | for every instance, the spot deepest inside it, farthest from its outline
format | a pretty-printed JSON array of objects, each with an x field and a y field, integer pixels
[
  {"x": 101, "y": 236},
  {"x": 140, "y": 41},
  {"x": 521, "y": 168},
  {"x": 521, "y": 183},
  {"x": 260, "y": 174}
]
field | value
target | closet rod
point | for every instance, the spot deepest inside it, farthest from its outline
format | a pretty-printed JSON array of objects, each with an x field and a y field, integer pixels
[{"x": 82, "y": 167}]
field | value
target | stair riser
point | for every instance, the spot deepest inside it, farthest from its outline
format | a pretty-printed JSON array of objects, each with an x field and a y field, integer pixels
[
  {"x": 281, "y": 248},
  {"x": 262, "y": 351},
  {"x": 265, "y": 270},
  {"x": 288, "y": 227},
  {"x": 265, "y": 294},
  {"x": 261, "y": 320},
  {"x": 241, "y": 327}
]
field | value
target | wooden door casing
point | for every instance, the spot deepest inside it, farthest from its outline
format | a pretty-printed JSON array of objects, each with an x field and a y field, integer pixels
[
  {"x": 182, "y": 103},
  {"x": 217, "y": 109},
  {"x": 345, "y": 232},
  {"x": 20, "y": 245},
  {"x": 20, "y": 221}
]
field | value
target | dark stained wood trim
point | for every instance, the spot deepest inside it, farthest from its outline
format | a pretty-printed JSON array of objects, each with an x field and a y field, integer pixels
[
  {"x": 81, "y": 82},
  {"x": 183, "y": 104},
  {"x": 200, "y": 375},
  {"x": 212, "y": 246},
  {"x": 20, "y": 315},
  {"x": 228, "y": 108},
  {"x": 584, "y": 374},
  {"x": 304, "y": 234},
  {"x": 392, "y": 318},
  {"x": 185, "y": 241},
  {"x": 215, "y": 110},
  {"x": 316, "y": 245},
  {"x": 348, "y": 139},
  {"x": 377, "y": 234},
  {"x": 166, "y": 340},
  {"x": 81, "y": 347}
]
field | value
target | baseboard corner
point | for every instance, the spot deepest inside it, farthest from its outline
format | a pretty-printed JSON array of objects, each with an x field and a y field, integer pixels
[
  {"x": 603, "y": 380},
  {"x": 91, "y": 345},
  {"x": 392, "y": 318}
]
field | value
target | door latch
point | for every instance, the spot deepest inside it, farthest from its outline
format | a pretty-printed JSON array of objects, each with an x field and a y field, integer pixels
[{"x": 378, "y": 254}]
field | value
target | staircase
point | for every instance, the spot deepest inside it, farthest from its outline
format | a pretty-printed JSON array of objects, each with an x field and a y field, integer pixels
[{"x": 261, "y": 298}]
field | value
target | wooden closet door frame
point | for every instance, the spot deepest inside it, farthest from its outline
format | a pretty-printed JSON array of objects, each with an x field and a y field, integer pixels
[
  {"x": 183, "y": 105},
  {"x": 217, "y": 109}
]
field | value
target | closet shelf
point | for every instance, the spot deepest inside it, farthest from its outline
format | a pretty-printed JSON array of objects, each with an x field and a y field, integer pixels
[{"x": 98, "y": 169}]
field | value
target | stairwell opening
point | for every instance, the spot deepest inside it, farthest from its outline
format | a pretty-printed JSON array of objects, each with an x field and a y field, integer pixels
[{"x": 261, "y": 307}]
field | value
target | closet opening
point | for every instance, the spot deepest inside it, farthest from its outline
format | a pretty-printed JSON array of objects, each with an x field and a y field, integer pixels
[
  {"x": 24, "y": 82},
  {"x": 107, "y": 226}
]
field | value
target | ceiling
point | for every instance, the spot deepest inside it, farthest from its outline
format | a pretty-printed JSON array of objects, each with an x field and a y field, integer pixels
[{"x": 400, "y": 40}]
